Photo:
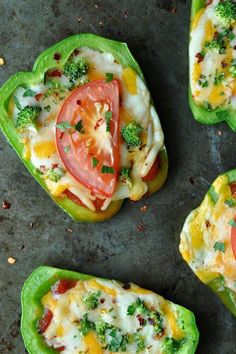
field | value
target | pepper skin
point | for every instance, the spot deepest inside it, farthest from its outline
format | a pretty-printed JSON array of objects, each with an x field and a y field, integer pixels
[{"x": 40, "y": 282}]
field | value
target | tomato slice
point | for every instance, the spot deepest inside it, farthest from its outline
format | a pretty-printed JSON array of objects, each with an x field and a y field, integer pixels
[
  {"x": 153, "y": 171},
  {"x": 91, "y": 153},
  {"x": 45, "y": 321},
  {"x": 62, "y": 285},
  {"x": 233, "y": 189},
  {"x": 233, "y": 239},
  {"x": 74, "y": 198}
]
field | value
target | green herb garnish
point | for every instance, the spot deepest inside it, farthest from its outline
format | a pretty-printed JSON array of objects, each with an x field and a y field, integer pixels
[
  {"x": 79, "y": 127},
  {"x": 29, "y": 93},
  {"x": 17, "y": 103},
  {"x": 95, "y": 162},
  {"x": 109, "y": 77},
  {"x": 108, "y": 117},
  {"x": 219, "y": 246},
  {"x": 107, "y": 169},
  {"x": 91, "y": 300}
]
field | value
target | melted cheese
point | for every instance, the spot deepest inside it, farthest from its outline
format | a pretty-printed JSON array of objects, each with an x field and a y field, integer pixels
[
  {"x": 130, "y": 80},
  {"x": 203, "y": 229},
  {"x": 70, "y": 308},
  {"x": 44, "y": 149},
  {"x": 205, "y": 70}
]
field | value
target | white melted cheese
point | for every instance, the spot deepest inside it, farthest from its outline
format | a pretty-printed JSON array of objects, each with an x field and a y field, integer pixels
[
  {"x": 204, "y": 26},
  {"x": 204, "y": 227},
  {"x": 69, "y": 308},
  {"x": 39, "y": 144}
]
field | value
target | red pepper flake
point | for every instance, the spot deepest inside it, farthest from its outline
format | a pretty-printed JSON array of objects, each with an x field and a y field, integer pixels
[
  {"x": 216, "y": 35},
  {"x": 126, "y": 286},
  {"x": 143, "y": 209},
  {"x": 54, "y": 165},
  {"x": 98, "y": 124},
  {"x": 208, "y": 224},
  {"x": 38, "y": 96},
  {"x": 54, "y": 73},
  {"x": 60, "y": 349},
  {"x": 199, "y": 57},
  {"x": 63, "y": 285},
  {"x": 140, "y": 228},
  {"x": 141, "y": 320},
  {"x": 233, "y": 189},
  {"x": 6, "y": 204},
  {"x": 57, "y": 56},
  {"x": 173, "y": 10},
  {"x": 102, "y": 301},
  {"x": 45, "y": 321},
  {"x": 224, "y": 64},
  {"x": 76, "y": 52},
  {"x": 78, "y": 102}
]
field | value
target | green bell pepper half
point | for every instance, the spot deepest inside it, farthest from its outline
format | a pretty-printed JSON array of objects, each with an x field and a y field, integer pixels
[
  {"x": 217, "y": 285},
  {"x": 40, "y": 282},
  {"x": 221, "y": 114},
  {"x": 45, "y": 62}
]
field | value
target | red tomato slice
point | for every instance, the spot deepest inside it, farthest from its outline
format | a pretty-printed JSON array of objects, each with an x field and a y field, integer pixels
[
  {"x": 233, "y": 239},
  {"x": 98, "y": 203},
  {"x": 63, "y": 285},
  {"x": 78, "y": 150},
  {"x": 153, "y": 171},
  {"x": 60, "y": 349},
  {"x": 45, "y": 321}
]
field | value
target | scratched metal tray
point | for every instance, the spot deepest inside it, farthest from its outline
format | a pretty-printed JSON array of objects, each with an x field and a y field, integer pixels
[{"x": 138, "y": 246}]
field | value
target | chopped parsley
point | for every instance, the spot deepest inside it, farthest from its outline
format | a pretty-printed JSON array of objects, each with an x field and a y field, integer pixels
[
  {"x": 79, "y": 127},
  {"x": 232, "y": 223},
  {"x": 207, "y": 106},
  {"x": 86, "y": 326},
  {"x": 95, "y": 161},
  {"x": 67, "y": 148},
  {"x": 109, "y": 77},
  {"x": 203, "y": 82},
  {"x": 47, "y": 108},
  {"x": 92, "y": 300},
  {"x": 29, "y": 93},
  {"x": 108, "y": 117},
  {"x": 231, "y": 202},
  {"x": 219, "y": 246},
  {"x": 17, "y": 103},
  {"x": 64, "y": 126},
  {"x": 219, "y": 78},
  {"x": 232, "y": 68},
  {"x": 171, "y": 345},
  {"x": 55, "y": 87},
  {"x": 55, "y": 174},
  {"x": 107, "y": 169}
]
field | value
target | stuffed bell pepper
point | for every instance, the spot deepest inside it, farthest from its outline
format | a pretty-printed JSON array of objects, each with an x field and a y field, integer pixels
[
  {"x": 71, "y": 313},
  {"x": 208, "y": 239},
  {"x": 85, "y": 126},
  {"x": 212, "y": 59}
]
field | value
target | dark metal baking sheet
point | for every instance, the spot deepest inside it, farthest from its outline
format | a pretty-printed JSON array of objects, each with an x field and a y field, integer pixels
[{"x": 138, "y": 246}]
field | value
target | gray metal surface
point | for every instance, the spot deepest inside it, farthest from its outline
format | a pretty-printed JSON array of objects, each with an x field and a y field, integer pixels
[{"x": 133, "y": 246}]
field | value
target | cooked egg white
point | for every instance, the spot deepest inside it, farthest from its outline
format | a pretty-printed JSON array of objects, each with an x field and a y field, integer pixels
[
  {"x": 40, "y": 147},
  {"x": 69, "y": 309},
  {"x": 203, "y": 228},
  {"x": 205, "y": 88}
]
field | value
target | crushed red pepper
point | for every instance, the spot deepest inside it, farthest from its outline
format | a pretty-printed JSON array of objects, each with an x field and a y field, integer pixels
[{"x": 6, "y": 204}]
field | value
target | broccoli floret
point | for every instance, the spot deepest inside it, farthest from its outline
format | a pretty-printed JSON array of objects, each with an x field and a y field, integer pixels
[
  {"x": 131, "y": 134},
  {"x": 217, "y": 45},
  {"x": 232, "y": 68},
  {"x": 226, "y": 12},
  {"x": 91, "y": 300},
  {"x": 54, "y": 174},
  {"x": 76, "y": 70},
  {"x": 26, "y": 118},
  {"x": 85, "y": 326},
  {"x": 171, "y": 345}
]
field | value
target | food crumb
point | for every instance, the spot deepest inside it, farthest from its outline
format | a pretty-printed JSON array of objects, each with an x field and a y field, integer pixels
[
  {"x": 125, "y": 13},
  {"x": 6, "y": 204},
  {"x": 69, "y": 229},
  {"x": 79, "y": 19},
  {"x": 11, "y": 260},
  {"x": 96, "y": 6},
  {"x": 173, "y": 10},
  {"x": 143, "y": 209},
  {"x": 100, "y": 23},
  {"x": 2, "y": 61},
  {"x": 219, "y": 132}
]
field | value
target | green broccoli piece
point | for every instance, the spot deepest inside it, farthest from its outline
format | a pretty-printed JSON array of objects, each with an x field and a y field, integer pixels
[
  {"x": 55, "y": 174},
  {"x": 101, "y": 327},
  {"x": 217, "y": 45},
  {"x": 139, "y": 307},
  {"x": 76, "y": 70},
  {"x": 26, "y": 118},
  {"x": 219, "y": 78},
  {"x": 139, "y": 341},
  {"x": 131, "y": 134},
  {"x": 232, "y": 68},
  {"x": 91, "y": 300},
  {"x": 226, "y": 12},
  {"x": 171, "y": 345},
  {"x": 86, "y": 326}
]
